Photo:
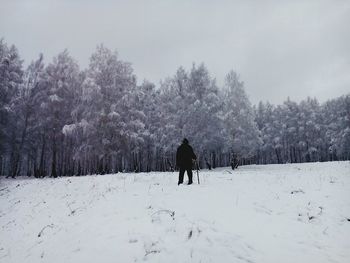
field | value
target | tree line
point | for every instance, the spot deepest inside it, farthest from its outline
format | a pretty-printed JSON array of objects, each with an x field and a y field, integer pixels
[{"x": 59, "y": 120}]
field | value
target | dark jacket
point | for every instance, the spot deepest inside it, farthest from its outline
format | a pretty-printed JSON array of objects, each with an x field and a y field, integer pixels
[{"x": 184, "y": 156}]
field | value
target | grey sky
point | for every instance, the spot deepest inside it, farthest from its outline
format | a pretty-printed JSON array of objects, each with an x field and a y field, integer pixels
[{"x": 280, "y": 48}]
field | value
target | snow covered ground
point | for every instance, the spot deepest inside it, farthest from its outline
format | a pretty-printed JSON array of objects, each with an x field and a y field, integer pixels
[{"x": 268, "y": 213}]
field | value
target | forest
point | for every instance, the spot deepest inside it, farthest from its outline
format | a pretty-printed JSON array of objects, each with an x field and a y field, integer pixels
[{"x": 59, "y": 120}]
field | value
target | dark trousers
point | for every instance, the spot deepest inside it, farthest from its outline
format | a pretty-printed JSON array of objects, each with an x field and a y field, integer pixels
[{"x": 182, "y": 172}]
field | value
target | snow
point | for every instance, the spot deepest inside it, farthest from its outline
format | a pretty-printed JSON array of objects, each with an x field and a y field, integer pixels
[
  {"x": 267, "y": 213},
  {"x": 54, "y": 97},
  {"x": 68, "y": 129}
]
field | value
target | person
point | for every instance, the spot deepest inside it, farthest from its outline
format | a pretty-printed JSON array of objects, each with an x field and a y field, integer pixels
[{"x": 184, "y": 159}]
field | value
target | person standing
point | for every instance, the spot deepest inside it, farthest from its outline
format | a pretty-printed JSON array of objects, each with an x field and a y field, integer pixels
[{"x": 184, "y": 159}]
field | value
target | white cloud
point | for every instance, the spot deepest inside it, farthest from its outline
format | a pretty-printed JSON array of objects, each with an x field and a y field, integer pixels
[{"x": 280, "y": 48}]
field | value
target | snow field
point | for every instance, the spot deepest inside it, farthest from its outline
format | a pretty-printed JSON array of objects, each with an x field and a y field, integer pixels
[{"x": 267, "y": 213}]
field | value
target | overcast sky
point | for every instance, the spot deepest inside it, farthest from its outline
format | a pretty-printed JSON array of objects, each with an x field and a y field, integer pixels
[{"x": 279, "y": 48}]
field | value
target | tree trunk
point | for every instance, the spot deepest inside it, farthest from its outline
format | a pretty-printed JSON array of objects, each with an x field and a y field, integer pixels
[
  {"x": 277, "y": 156},
  {"x": 41, "y": 165}
]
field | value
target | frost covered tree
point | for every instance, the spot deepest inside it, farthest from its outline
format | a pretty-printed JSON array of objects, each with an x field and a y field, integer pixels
[
  {"x": 269, "y": 128},
  {"x": 243, "y": 138},
  {"x": 62, "y": 84},
  {"x": 11, "y": 74},
  {"x": 57, "y": 120},
  {"x": 107, "y": 116},
  {"x": 173, "y": 111},
  {"x": 336, "y": 116},
  {"x": 205, "y": 127},
  {"x": 304, "y": 132},
  {"x": 27, "y": 119},
  {"x": 148, "y": 106},
  {"x": 309, "y": 146},
  {"x": 190, "y": 108}
]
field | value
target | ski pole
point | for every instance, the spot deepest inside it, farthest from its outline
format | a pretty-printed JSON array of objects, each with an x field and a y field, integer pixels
[{"x": 197, "y": 172}]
